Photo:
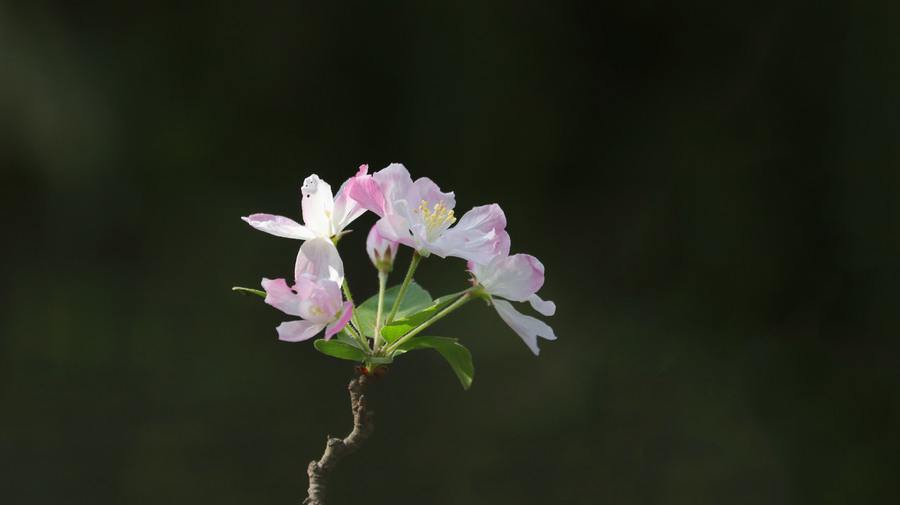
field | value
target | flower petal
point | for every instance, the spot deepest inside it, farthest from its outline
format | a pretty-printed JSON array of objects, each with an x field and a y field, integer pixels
[
  {"x": 394, "y": 182},
  {"x": 280, "y": 296},
  {"x": 545, "y": 307},
  {"x": 479, "y": 236},
  {"x": 515, "y": 277},
  {"x": 526, "y": 327},
  {"x": 319, "y": 257},
  {"x": 279, "y": 226},
  {"x": 426, "y": 190},
  {"x": 346, "y": 209},
  {"x": 318, "y": 205},
  {"x": 363, "y": 189},
  {"x": 295, "y": 331},
  {"x": 395, "y": 229},
  {"x": 381, "y": 251},
  {"x": 320, "y": 299},
  {"x": 339, "y": 324}
]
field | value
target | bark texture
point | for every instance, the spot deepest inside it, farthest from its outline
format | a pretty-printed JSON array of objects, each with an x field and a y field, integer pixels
[{"x": 336, "y": 448}]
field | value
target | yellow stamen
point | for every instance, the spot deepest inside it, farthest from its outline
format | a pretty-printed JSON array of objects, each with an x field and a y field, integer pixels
[{"x": 437, "y": 218}]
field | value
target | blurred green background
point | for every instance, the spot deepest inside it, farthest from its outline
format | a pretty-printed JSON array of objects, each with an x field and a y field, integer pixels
[{"x": 711, "y": 186}]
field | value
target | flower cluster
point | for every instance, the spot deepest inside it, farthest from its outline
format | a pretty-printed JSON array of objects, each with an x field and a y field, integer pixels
[{"x": 413, "y": 213}]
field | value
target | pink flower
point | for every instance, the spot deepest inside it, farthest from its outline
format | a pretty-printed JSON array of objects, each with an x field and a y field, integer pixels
[
  {"x": 418, "y": 214},
  {"x": 516, "y": 278},
  {"x": 315, "y": 297},
  {"x": 323, "y": 215}
]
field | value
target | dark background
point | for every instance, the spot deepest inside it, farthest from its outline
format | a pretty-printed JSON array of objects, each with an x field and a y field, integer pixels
[{"x": 710, "y": 185}]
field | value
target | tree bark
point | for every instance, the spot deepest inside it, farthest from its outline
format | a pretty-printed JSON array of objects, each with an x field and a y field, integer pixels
[{"x": 336, "y": 448}]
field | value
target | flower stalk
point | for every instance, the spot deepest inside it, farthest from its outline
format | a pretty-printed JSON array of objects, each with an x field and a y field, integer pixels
[
  {"x": 409, "y": 274},
  {"x": 382, "y": 284},
  {"x": 465, "y": 297},
  {"x": 360, "y": 332}
]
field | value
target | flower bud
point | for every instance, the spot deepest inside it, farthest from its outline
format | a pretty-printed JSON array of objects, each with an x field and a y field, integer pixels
[{"x": 381, "y": 250}]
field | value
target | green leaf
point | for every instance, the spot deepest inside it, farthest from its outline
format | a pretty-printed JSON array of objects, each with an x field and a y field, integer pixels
[
  {"x": 459, "y": 358},
  {"x": 339, "y": 349},
  {"x": 345, "y": 337},
  {"x": 400, "y": 327},
  {"x": 244, "y": 291},
  {"x": 414, "y": 300}
]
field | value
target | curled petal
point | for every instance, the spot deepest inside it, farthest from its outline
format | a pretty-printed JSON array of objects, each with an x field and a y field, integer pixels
[
  {"x": 545, "y": 307},
  {"x": 280, "y": 296},
  {"x": 319, "y": 257},
  {"x": 318, "y": 205},
  {"x": 526, "y": 327},
  {"x": 279, "y": 226},
  {"x": 295, "y": 331},
  {"x": 342, "y": 321}
]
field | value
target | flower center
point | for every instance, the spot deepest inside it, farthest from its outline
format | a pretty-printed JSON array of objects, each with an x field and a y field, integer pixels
[
  {"x": 436, "y": 220},
  {"x": 316, "y": 311}
]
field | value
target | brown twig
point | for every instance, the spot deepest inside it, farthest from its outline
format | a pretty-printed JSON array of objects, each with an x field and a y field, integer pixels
[{"x": 336, "y": 448}]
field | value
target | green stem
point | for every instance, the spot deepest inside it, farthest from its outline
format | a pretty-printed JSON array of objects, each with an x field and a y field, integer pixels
[
  {"x": 465, "y": 297},
  {"x": 360, "y": 332},
  {"x": 412, "y": 268},
  {"x": 353, "y": 332},
  {"x": 382, "y": 282}
]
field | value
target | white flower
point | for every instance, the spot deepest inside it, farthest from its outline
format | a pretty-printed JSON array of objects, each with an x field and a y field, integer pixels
[{"x": 516, "y": 278}]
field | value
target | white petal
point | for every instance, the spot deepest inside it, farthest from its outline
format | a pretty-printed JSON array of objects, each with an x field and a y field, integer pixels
[
  {"x": 318, "y": 205},
  {"x": 295, "y": 331},
  {"x": 279, "y": 226},
  {"x": 526, "y": 327},
  {"x": 319, "y": 257},
  {"x": 545, "y": 307},
  {"x": 515, "y": 277}
]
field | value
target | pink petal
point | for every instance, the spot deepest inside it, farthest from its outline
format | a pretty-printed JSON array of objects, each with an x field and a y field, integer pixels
[
  {"x": 319, "y": 257},
  {"x": 395, "y": 228},
  {"x": 479, "y": 236},
  {"x": 381, "y": 251},
  {"x": 526, "y": 327},
  {"x": 338, "y": 325},
  {"x": 280, "y": 296},
  {"x": 424, "y": 189},
  {"x": 515, "y": 277},
  {"x": 295, "y": 331},
  {"x": 279, "y": 226},
  {"x": 394, "y": 182},
  {"x": 321, "y": 299},
  {"x": 346, "y": 209},
  {"x": 485, "y": 218},
  {"x": 365, "y": 191}
]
